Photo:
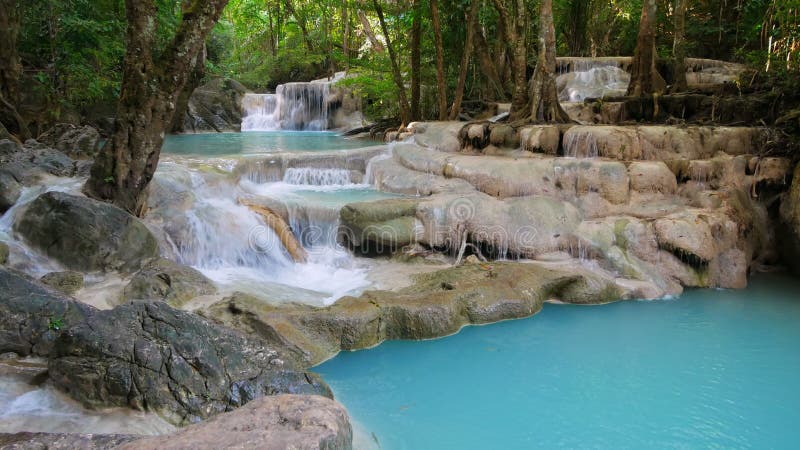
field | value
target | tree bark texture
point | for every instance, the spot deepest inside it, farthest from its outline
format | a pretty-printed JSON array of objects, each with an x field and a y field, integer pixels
[
  {"x": 441, "y": 94},
  {"x": 544, "y": 93},
  {"x": 150, "y": 88},
  {"x": 679, "y": 83},
  {"x": 10, "y": 70},
  {"x": 458, "y": 96},
  {"x": 645, "y": 79}
]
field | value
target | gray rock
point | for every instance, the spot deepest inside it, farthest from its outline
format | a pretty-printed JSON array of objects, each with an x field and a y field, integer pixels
[
  {"x": 10, "y": 190},
  {"x": 85, "y": 234},
  {"x": 62, "y": 441},
  {"x": 147, "y": 356},
  {"x": 29, "y": 162},
  {"x": 150, "y": 356},
  {"x": 75, "y": 141},
  {"x": 273, "y": 423},
  {"x": 68, "y": 282},
  {"x": 168, "y": 281},
  {"x": 215, "y": 106},
  {"x": 8, "y": 147},
  {"x": 32, "y": 315}
]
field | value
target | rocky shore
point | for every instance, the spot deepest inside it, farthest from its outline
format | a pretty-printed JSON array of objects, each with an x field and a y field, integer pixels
[{"x": 594, "y": 214}]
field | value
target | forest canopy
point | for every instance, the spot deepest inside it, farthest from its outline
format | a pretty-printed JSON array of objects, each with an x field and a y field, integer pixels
[{"x": 72, "y": 50}]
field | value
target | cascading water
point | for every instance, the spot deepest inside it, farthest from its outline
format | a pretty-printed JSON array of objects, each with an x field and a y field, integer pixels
[
  {"x": 231, "y": 244},
  {"x": 596, "y": 82},
  {"x": 317, "y": 177},
  {"x": 261, "y": 112},
  {"x": 294, "y": 106}
]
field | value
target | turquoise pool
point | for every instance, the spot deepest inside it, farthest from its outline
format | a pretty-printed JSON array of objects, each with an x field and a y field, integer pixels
[
  {"x": 251, "y": 143},
  {"x": 711, "y": 369}
]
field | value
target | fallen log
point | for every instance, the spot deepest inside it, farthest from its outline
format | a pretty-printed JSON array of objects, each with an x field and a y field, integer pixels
[{"x": 281, "y": 228}]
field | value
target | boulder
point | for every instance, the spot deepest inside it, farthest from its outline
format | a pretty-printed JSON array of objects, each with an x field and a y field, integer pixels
[
  {"x": 85, "y": 234},
  {"x": 167, "y": 281},
  {"x": 272, "y": 423},
  {"x": 28, "y": 163},
  {"x": 150, "y": 356},
  {"x": 75, "y": 141},
  {"x": 215, "y": 106},
  {"x": 10, "y": 190},
  {"x": 32, "y": 315},
  {"x": 378, "y": 226},
  {"x": 68, "y": 282},
  {"x": 147, "y": 356}
]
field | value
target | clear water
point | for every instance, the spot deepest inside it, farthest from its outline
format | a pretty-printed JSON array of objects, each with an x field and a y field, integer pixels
[
  {"x": 253, "y": 143},
  {"x": 710, "y": 369}
]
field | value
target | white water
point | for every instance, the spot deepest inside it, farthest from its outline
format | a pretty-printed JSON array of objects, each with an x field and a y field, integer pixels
[
  {"x": 231, "y": 244},
  {"x": 25, "y": 406},
  {"x": 317, "y": 177},
  {"x": 294, "y": 106},
  {"x": 595, "y": 82}
]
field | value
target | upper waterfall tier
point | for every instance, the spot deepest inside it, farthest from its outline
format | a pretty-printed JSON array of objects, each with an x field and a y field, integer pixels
[{"x": 311, "y": 106}]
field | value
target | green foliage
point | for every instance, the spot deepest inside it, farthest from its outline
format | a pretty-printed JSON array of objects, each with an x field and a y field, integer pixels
[
  {"x": 377, "y": 93},
  {"x": 55, "y": 323}
]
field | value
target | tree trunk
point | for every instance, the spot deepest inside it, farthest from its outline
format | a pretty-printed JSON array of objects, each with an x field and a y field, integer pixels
[
  {"x": 396, "y": 74},
  {"x": 577, "y": 21},
  {"x": 150, "y": 87},
  {"x": 437, "y": 38},
  {"x": 515, "y": 30},
  {"x": 416, "y": 38},
  {"x": 645, "y": 79},
  {"x": 376, "y": 44},
  {"x": 10, "y": 70},
  {"x": 194, "y": 81},
  {"x": 679, "y": 83},
  {"x": 455, "y": 108},
  {"x": 345, "y": 36},
  {"x": 488, "y": 67},
  {"x": 544, "y": 94}
]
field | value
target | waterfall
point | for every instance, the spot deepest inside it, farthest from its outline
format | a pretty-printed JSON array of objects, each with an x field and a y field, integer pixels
[
  {"x": 294, "y": 106},
  {"x": 595, "y": 82},
  {"x": 233, "y": 246},
  {"x": 260, "y": 112},
  {"x": 317, "y": 177}
]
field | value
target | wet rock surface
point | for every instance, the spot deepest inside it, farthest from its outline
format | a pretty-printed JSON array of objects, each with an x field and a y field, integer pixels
[
  {"x": 167, "y": 281},
  {"x": 147, "y": 356},
  {"x": 67, "y": 282},
  {"x": 215, "y": 107},
  {"x": 437, "y": 305},
  {"x": 75, "y": 141},
  {"x": 85, "y": 234}
]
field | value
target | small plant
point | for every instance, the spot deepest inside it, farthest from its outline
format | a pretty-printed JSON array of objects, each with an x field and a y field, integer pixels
[
  {"x": 109, "y": 179},
  {"x": 55, "y": 324}
]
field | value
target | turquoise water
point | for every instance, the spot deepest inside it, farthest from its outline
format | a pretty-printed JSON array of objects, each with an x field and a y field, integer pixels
[
  {"x": 250, "y": 143},
  {"x": 710, "y": 369}
]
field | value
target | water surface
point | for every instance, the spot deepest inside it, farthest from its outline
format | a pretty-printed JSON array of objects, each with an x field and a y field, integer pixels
[
  {"x": 713, "y": 368},
  {"x": 253, "y": 143}
]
